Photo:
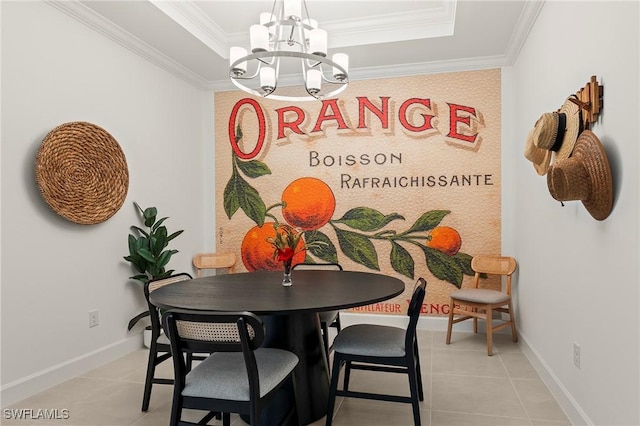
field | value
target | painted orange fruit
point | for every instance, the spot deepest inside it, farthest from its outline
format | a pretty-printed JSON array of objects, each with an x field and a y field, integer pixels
[
  {"x": 257, "y": 253},
  {"x": 444, "y": 239},
  {"x": 308, "y": 202}
]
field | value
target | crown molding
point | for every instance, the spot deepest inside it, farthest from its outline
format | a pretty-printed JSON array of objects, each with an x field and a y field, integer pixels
[
  {"x": 95, "y": 21},
  {"x": 188, "y": 15},
  {"x": 402, "y": 26},
  {"x": 191, "y": 15},
  {"x": 527, "y": 18}
]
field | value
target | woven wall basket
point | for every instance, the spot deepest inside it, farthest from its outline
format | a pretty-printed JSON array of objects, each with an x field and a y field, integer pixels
[{"x": 82, "y": 173}]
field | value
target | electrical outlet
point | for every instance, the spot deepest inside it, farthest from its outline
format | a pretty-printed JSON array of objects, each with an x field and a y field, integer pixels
[
  {"x": 576, "y": 355},
  {"x": 93, "y": 318}
]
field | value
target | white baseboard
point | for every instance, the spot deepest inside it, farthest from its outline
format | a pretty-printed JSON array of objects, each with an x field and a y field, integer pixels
[
  {"x": 574, "y": 412},
  {"x": 571, "y": 408},
  {"x": 28, "y": 386}
]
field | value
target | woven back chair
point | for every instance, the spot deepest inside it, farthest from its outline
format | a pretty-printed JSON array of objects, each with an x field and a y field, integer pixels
[
  {"x": 214, "y": 261},
  {"x": 238, "y": 377},
  {"x": 327, "y": 318},
  {"x": 159, "y": 349},
  {"x": 480, "y": 303},
  {"x": 380, "y": 348}
]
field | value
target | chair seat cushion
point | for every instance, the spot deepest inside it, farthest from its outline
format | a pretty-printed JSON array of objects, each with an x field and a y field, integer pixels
[
  {"x": 328, "y": 316},
  {"x": 223, "y": 375},
  {"x": 371, "y": 340},
  {"x": 479, "y": 295}
]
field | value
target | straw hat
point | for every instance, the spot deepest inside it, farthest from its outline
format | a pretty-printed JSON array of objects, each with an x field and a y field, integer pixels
[
  {"x": 585, "y": 176},
  {"x": 557, "y": 131},
  {"x": 541, "y": 158},
  {"x": 82, "y": 172}
]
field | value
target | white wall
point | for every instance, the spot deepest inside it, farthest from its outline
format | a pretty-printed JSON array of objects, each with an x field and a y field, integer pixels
[
  {"x": 578, "y": 278},
  {"x": 56, "y": 70}
]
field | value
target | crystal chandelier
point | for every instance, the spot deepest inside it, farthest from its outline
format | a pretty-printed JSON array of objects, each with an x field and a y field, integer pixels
[{"x": 283, "y": 37}]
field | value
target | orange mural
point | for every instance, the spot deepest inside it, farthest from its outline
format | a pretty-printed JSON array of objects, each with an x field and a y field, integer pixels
[{"x": 407, "y": 183}]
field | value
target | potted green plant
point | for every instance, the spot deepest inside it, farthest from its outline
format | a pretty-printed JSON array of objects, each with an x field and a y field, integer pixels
[{"x": 147, "y": 250}]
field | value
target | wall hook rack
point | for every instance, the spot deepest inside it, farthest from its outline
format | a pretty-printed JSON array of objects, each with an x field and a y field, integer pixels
[{"x": 589, "y": 99}]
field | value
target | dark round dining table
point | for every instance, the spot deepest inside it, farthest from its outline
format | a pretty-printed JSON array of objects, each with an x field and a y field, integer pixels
[{"x": 290, "y": 314}]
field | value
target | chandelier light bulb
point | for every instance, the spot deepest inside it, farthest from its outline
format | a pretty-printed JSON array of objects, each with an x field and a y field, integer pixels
[
  {"x": 266, "y": 18},
  {"x": 318, "y": 42},
  {"x": 236, "y": 53},
  {"x": 311, "y": 23},
  {"x": 259, "y": 37},
  {"x": 314, "y": 81},
  {"x": 267, "y": 80},
  {"x": 341, "y": 59}
]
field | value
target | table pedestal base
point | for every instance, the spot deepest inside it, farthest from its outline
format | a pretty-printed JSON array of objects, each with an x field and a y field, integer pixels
[{"x": 300, "y": 333}]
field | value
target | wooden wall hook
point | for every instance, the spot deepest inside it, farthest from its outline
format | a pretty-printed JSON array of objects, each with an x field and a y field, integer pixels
[{"x": 589, "y": 99}]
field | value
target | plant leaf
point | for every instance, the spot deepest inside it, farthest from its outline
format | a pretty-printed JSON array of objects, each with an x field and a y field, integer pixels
[
  {"x": 428, "y": 221},
  {"x": 401, "y": 260},
  {"x": 367, "y": 219},
  {"x": 358, "y": 248},
  {"x": 149, "y": 216}
]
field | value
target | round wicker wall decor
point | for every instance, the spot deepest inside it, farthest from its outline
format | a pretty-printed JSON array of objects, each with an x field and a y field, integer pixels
[{"x": 82, "y": 172}]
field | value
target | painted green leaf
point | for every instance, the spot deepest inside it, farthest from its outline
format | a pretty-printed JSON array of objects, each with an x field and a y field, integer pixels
[
  {"x": 443, "y": 267},
  {"x": 230, "y": 196},
  {"x": 321, "y": 246},
  {"x": 253, "y": 168},
  {"x": 464, "y": 261},
  {"x": 367, "y": 219},
  {"x": 239, "y": 194},
  {"x": 401, "y": 260},
  {"x": 358, "y": 248},
  {"x": 428, "y": 221},
  {"x": 251, "y": 203}
]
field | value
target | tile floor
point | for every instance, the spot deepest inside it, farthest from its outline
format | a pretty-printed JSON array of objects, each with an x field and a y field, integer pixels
[{"x": 463, "y": 386}]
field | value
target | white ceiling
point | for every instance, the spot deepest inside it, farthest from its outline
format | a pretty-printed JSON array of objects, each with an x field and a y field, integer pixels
[{"x": 382, "y": 38}]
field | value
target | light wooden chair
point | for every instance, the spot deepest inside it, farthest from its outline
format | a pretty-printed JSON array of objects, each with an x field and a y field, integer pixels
[
  {"x": 213, "y": 261},
  {"x": 480, "y": 303}
]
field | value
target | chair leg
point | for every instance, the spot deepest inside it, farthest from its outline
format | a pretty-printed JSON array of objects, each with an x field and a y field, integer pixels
[
  {"x": 475, "y": 322},
  {"x": 413, "y": 386},
  {"x": 418, "y": 371},
  {"x": 333, "y": 388},
  {"x": 489, "y": 313},
  {"x": 325, "y": 339},
  {"x": 450, "y": 324},
  {"x": 226, "y": 419},
  {"x": 151, "y": 369},
  {"x": 176, "y": 409},
  {"x": 512, "y": 318},
  {"x": 347, "y": 374},
  {"x": 189, "y": 361}
]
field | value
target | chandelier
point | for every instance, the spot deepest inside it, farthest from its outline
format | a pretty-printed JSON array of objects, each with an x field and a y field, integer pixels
[{"x": 284, "y": 40}]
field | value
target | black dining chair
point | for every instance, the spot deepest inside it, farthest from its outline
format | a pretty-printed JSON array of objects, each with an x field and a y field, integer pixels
[
  {"x": 327, "y": 318},
  {"x": 380, "y": 348},
  {"x": 159, "y": 350},
  {"x": 238, "y": 377}
]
